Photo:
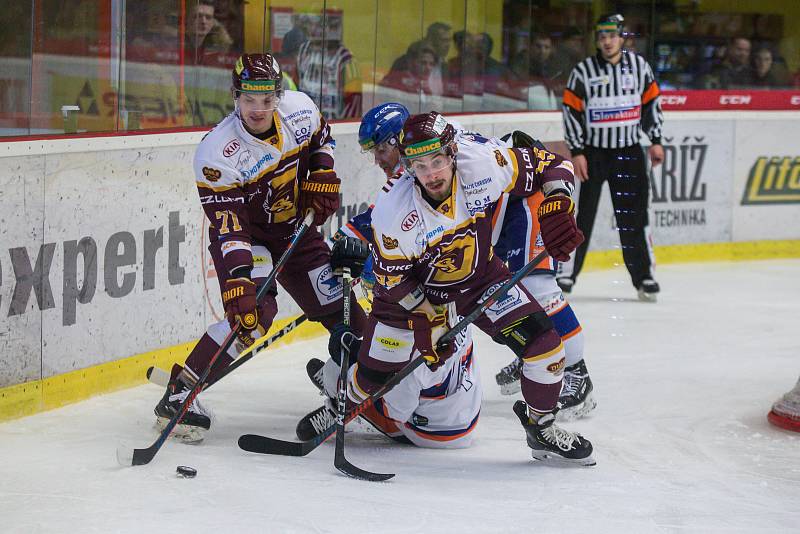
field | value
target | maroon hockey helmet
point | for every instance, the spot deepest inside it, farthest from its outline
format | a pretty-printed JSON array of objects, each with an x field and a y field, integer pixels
[
  {"x": 257, "y": 73},
  {"x": 426, "y": 134}
]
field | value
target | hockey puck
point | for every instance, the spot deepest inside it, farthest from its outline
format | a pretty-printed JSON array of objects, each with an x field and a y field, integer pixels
[{"x": 184, "y": 471}]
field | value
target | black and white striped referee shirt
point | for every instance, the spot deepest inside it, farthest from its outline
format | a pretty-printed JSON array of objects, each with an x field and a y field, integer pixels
[{"x": 608, "y": 106}]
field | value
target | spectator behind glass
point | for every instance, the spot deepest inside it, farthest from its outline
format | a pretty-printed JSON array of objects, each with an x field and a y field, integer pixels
[
  {"x": 766, "y": 72},
  {"x": 734, "y": 72},
  {"x": 204, "y": 35},
  {"x": 570, "y": 51},
  {"x": 437, "y": 39},
  {"x": 422, "y": 76},
  {"x": 230, "y": 14}
]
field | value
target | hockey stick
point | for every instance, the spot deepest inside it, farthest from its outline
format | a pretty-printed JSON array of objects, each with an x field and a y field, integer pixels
[
  {"x": 339, "y": 460},
  {"x": 127, "y": 456},
  {"x": 267, "y": 445},
  {"x": 160, "y": 377}
]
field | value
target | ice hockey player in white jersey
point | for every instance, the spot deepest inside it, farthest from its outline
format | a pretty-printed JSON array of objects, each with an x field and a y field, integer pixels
[
  {"x": 436, "y": 409},
  {"x": 433, "y": 253},
  {"x": 257, "y": 173}
]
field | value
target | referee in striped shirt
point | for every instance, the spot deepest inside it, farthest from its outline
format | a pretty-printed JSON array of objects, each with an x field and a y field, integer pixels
[{"x": 609, "y": 100}]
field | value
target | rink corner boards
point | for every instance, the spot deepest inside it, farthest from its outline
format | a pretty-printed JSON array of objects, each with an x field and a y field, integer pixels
[{"x": 40, "y": 395}]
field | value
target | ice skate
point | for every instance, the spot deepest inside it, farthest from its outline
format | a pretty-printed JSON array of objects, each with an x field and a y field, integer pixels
[
  {"x": 194, "y": 424},
  {"x": 576, "y": 399},
  {"x": 316, "y": 422},
  {"x": 549, "y": 442},
  {"x": 509, "y": 378},
  {"x": 314, "y": 368},
  {"x": 648, "y": 290}
]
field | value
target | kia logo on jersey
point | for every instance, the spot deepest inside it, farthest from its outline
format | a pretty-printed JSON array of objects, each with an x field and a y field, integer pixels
[
  {"x": 410, "y": 221},
  {"x": 231, "y": 148}
]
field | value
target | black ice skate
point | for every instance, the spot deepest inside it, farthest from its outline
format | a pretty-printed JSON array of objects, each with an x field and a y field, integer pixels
[
  {"x": 195, "y": 422},
  {"x": 508, "y": 378},
  {"x": 550, "y": 442},
  {"x": 576, "y": 399},
  {"x": 648, "y": 290},
  {"x": 316, "y": 422},
  {"x": 314, "y": 370}
]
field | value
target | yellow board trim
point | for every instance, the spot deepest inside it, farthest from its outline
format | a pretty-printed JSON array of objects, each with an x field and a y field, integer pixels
[{"x": 36, "y": 396}]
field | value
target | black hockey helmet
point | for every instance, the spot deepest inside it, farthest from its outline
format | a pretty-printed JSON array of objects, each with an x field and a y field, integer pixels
[{"x": 257, "y": 73}]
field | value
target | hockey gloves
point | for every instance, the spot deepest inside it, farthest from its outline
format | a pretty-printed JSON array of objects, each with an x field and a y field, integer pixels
[
  {"x": 425, "y": 327},
  {"x": 320, "y": 191},
  {"x": 342, "y": 337},
  {"x": 349, "y": 252},
  {"x": 239, "y": 299},
  {"x": 560, "y": 233}
]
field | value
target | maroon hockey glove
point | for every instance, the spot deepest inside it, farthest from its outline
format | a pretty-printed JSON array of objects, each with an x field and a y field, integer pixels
[
  {"x": 320, "y": 191},
  {"x": 423, "y": 324},
  {"x": 560, "y": 233},
  {"x": 239, "y": 299}
]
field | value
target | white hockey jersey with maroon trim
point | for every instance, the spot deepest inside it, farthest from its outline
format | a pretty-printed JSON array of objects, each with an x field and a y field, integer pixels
[
  {"x": 249, "y": 187},
  {"x": 450, "y": 246}
]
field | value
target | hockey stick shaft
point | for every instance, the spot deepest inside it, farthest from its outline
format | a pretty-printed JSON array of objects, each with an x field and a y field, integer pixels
[
  {"x": 144, "y": 456},
  {"x": 303, "y": 448},
  {"x": 161, "y": 377}
]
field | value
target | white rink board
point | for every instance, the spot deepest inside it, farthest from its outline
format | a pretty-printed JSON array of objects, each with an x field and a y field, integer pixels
[{"x": 71, "y": 197}]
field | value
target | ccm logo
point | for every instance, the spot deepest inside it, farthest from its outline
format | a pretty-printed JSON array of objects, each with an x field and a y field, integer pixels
[
  {"x": 674, "y": 100},
  {"x": 734, "y": 99},
  {"x": 231, "y": 148},
  {"x": 795, "y": 100},
  {"x": 410, "y": 221}
]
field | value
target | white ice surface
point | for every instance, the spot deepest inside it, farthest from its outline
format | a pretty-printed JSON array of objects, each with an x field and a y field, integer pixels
[{"x": 680, "y": 436}]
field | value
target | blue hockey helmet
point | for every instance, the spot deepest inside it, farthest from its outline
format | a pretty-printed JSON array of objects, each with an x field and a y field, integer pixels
[{"x": 382, "y": 123}]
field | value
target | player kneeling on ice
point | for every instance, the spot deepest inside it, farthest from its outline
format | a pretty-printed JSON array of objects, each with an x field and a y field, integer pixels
[
  {"x": 258, "y": 173},
  {"x": 433, "y": 259}
]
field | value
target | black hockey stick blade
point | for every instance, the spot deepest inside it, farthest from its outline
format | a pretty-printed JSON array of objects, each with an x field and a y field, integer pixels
[
  {"x": 265, "y": 445},
  {"x": 345, "y": 467}
]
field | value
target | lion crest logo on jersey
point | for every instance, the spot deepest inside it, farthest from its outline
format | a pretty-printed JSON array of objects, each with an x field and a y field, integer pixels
[
  {"x": 389, "y": 243},
  {"x": 501, "y": 161},
  {"x": 212, "y": 175}
]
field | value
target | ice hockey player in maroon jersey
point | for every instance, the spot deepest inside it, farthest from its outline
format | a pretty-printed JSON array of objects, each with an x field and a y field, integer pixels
[
  {"x": 433, "y": 260},
  {"x": 258, "y": 172}
]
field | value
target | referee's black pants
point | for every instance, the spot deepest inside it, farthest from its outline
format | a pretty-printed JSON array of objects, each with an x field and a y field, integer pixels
[{"x": 625, "y": 169}]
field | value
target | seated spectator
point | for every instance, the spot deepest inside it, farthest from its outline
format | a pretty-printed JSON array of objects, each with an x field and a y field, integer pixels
[
  {"x": 204, "y": 35},
  {"x": 437, "y": 39},
  {"x": 569, "y": 52},
  {"x": 420, "y": 76},
  {"x": 766, "y": 72},
  {"x": 734, "y": 72}
]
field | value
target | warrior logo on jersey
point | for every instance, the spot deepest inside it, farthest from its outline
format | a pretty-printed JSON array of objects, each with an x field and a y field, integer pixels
[
  {"x": 500, "y": 159},
  {"x": 212, "y": 175},
  {"x": 389, "y": 243}
]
